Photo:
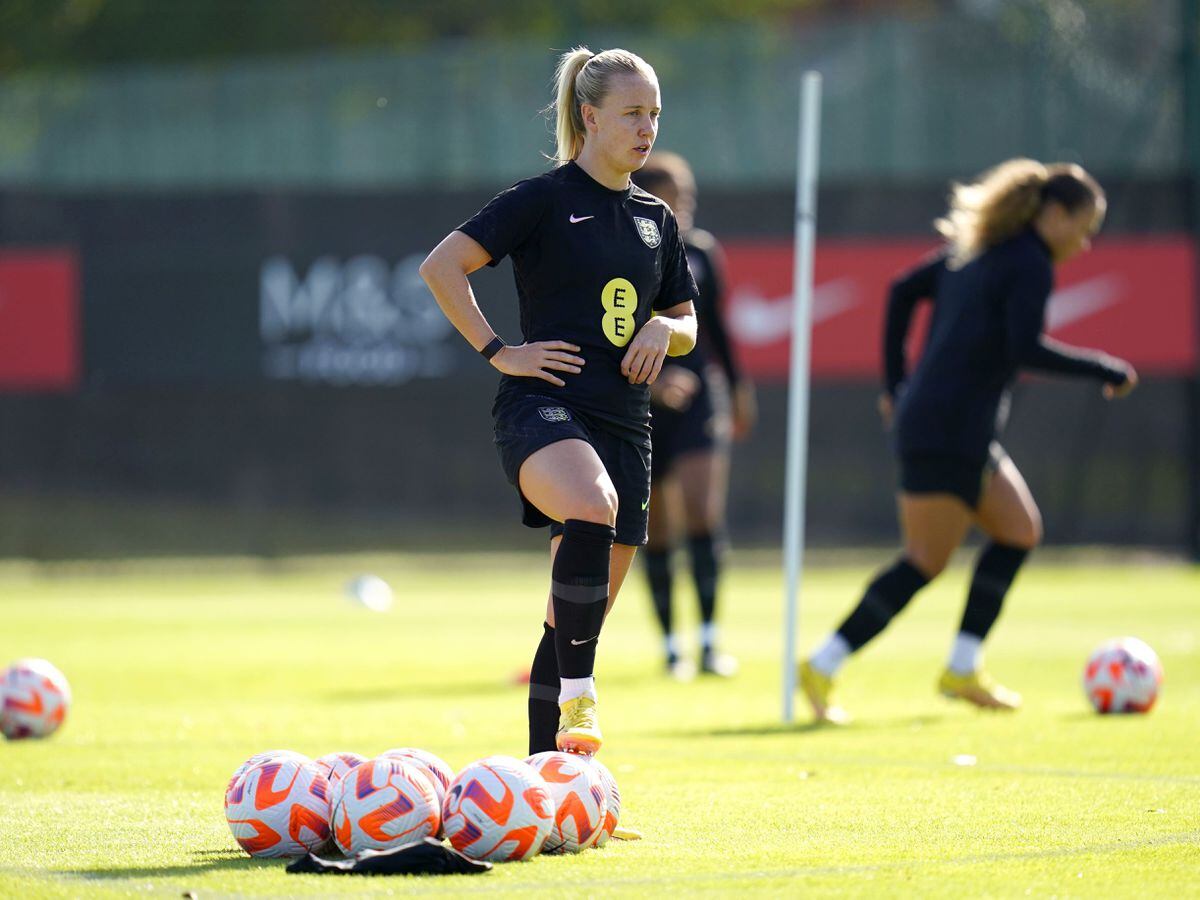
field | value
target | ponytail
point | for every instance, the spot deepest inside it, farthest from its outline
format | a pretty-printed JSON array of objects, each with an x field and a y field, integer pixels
[
  {"x": 1006, "y": 199},
  {"x": 569, "y": 128},
  {"x": 583, "y": 77}
]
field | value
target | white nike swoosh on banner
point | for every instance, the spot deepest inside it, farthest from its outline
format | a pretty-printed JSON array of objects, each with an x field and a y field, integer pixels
[
  {"x": 576, "y": 643},
  {"x": 580, "y": 219},
  {"x": 1082, "y": 300},
  {"x": 759, "y": 320}
]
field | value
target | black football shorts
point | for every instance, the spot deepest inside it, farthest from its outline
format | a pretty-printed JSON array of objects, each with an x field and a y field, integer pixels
[
  {"x": 946, "y": 473},
  {"x": 526, "y": 423}
]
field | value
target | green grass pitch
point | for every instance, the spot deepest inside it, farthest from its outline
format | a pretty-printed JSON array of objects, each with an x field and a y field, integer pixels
[{"x": 180, "y": 672}]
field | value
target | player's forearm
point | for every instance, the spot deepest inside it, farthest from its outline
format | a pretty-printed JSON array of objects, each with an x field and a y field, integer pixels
[
  {"x": 683, "y": 333},
  {"x": 1053, "y": 357},
  {"x": 452, "y": 291}
]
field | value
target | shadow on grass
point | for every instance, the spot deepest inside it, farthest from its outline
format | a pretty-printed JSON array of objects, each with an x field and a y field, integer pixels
[
  {"x": 457, "y": 690},
  {"x": 1088, "y": 715},
  {"x": 383, "y": 693},
  {"x": 204, "y": 861},
  {"x": 775, "y": 728}
]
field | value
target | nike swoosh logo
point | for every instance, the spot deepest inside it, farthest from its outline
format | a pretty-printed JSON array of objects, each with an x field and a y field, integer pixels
[
  {"x": 1081, "y": 300},
  {"x": 575, "y": 643},
  {"x": 576, "y": 219},
  {"x": 757, "y": 319},
  {"x": 645, "y": 503}
]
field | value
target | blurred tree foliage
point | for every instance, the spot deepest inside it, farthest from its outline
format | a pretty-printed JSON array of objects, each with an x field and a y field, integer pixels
[
  {"x": 62, "y": 34},
  {"x": 55, "y": 34}
]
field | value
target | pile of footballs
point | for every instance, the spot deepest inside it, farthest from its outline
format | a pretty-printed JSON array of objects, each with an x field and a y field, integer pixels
[{"x": 281, "y": 803}]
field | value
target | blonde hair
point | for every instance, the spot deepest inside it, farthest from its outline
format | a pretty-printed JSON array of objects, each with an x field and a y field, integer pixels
[
  {"x": 585, "y": 77},
  {"x": 1006, "y": 199}
]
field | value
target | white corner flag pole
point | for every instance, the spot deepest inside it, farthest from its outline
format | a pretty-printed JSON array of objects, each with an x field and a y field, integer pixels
[{"x": 798, "y": 375}]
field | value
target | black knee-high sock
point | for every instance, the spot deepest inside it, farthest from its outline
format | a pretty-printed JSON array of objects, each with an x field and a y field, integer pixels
[
  {"x": 705, "y": 552},
  {"x": 884, "y": 598},
  {"x": 658, "y": 573},
  {"x": 994, "y": 573},
  {"x": 543, "y": 695},
  {"x": 579, "y": 587}
]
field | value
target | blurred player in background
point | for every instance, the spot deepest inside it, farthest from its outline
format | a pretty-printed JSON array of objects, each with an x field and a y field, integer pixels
[
  {"x": 605, "y": 297},
  {"x": 693, "y": 422},
  {"x": 989, "y": 287}
]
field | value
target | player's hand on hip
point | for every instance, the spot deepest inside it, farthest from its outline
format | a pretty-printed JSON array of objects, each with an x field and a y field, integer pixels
[
  {"x": 1112, "y": 391},
  {"x": 644, "y": 358},
  {"x": 540, "y": 359}
]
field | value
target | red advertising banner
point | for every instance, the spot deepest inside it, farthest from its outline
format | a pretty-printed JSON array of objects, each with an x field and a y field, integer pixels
[
  {"x": 1134, "y": 298},
  {"x": 39, "y": 320}
]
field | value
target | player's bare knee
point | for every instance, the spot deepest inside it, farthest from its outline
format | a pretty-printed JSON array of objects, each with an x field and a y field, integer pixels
[
  {"x": 611, "y": 504},
  {"x": 1026, "y": 533},
  {"x": 701, "y": 518},
  {"x": 599, "y": 506},
  {"x": 695, "y": 522},
  {"x": 1033, "y": 532}
]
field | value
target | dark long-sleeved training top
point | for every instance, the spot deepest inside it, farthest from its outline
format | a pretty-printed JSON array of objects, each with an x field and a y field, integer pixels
[{"x": 987, "y": 323}]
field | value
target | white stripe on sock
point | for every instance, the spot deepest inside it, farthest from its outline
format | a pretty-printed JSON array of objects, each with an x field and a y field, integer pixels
[
  {"x": 570, "y": 688},
  {"x": 966, "y": 655},
  {"x": 830, "y": 655}
]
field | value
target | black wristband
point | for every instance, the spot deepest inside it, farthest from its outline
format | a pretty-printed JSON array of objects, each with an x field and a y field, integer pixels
[{"x": 493, "y": 347}]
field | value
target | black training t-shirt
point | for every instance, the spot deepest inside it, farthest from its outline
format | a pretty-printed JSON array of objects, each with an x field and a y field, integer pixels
[{"x": 591, "y": 264}]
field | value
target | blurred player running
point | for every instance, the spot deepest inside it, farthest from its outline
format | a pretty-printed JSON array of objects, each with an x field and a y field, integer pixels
[
  {"x": 989, "y": 288},
  {"x": 692, "y": 428},
  {"x": 605, "y": 296}
]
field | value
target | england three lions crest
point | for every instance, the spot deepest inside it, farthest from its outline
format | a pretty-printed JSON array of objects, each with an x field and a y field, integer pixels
[{"x": 648, "y": 230}]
